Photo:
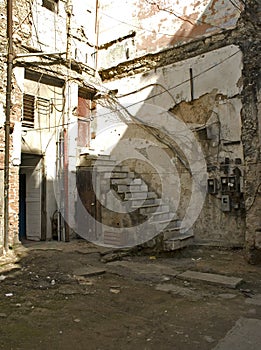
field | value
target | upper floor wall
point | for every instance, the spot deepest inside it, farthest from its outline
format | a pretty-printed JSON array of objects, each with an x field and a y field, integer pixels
[
  {"x": 60, "y": 26},
  {"x": 132, "y": 28}
]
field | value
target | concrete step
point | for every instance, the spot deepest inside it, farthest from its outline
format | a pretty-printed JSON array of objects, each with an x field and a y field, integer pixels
[
  {"x": 119, "y": 175},
  {"x": 140, "y": 195},
  {"x": 178, "y": 242},
  {"x": 153, "y": 208},
  {"x": 161, "y": 216},
  {"x": 132, "y": 188},
  {"x": 174, "y": 223},
  {"x": 160, "y": 224},
  {"x": 138, "y": 203},
  {"x": 110, "y": 169},
  {"x": 127, "y": 181},
  {"x": 171, "y": 233},
  {"x": 170, "y": 223}
]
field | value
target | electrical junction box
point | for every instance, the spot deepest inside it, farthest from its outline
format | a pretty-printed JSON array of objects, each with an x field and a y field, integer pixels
[
  {"x": 212, "y": 186},
  {"x": 225, "y": 202},
  {"x": 232, "y": 184},
  {"x": 224, "y": 184}
]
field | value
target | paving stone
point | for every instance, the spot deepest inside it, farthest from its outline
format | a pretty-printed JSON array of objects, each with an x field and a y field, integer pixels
[
  {"x": 255, "y": 300},
  {"x": 245, "y": 335},
  {"x": 177, "y": 290},
  {"x": 89, "y": 271},
  {"x": 225, "y": 281},
  {"x": 227, "y": 296},
  {"x": 144, "y": 271}
]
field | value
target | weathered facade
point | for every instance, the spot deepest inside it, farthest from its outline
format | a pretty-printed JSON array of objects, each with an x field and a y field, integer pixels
[
  {"x": 53, "y": 82},
  {"x": 177, "y": 113},
  {"x": 199, "y": 62}
]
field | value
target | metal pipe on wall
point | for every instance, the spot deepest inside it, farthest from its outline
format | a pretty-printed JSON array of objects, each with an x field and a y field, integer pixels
[{"x": 9, "y": 32}]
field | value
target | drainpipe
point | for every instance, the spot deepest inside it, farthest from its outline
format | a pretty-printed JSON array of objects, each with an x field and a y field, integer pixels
[
  {"x": 66, "y": 187},
  {"x": 69, "y": 9},
  {"x": 9, "y": 31}
]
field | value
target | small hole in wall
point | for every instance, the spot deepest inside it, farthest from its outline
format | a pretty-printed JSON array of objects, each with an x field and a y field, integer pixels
[{"x": 127, "y": 53}]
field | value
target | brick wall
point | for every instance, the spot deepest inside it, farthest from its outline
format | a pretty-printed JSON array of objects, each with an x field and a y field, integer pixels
[{"x": 20, "y": 12}]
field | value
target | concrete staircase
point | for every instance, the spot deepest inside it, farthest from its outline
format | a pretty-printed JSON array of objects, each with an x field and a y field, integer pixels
[{"x": 141, "y": 204}]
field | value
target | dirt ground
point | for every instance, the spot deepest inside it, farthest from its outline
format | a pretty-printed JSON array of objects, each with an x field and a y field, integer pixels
[{"x": 48, "y": 301}]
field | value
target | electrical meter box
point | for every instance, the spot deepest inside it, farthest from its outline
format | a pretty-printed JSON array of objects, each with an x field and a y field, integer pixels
[
  {"x": 225, "y": 202},
  {"x": 232, "y": 184},
  {"x": 212, "y": 186},
  {"x": 224, "y": 184}
]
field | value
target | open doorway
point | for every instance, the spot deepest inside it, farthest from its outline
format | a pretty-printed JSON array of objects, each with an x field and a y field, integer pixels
[{"x": 31, "y": 198}]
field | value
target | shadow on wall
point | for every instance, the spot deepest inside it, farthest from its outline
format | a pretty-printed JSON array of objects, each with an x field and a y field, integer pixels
[{"x": 189, "y": 20}]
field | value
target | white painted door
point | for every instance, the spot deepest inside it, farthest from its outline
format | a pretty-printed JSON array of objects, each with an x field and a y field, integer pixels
[
  {"x": 31, "y": 167},
  {"x": 33, "y": 204}
]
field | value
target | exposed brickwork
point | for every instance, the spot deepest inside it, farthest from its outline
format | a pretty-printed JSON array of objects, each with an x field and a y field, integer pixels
[{"x": 20, "y": 20}]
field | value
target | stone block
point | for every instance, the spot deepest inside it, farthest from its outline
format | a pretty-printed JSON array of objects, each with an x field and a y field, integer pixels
[{"x": 224, "y": 281}]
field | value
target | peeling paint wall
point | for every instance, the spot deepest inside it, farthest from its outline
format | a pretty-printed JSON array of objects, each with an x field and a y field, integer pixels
[
  {"x": 46, "y": 31},
  {"x": 174, "y": 43},
  {"x": 159, "y": 25},
  {"x": 214, "y": 115},
  {"x": 38, "y": 30}
]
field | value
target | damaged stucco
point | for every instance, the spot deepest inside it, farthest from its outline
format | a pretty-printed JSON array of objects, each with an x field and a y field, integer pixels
[
  {"x": 160, "y": 25},
  {"x": 222, "y": 106},
  {"x": 213, "y": 113}
]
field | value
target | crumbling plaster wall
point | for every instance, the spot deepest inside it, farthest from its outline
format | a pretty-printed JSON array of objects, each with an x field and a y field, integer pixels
[
  {"x": 214, "y": 116},
  {"x": 251, "y": 127},
  {"x": 245, "y": 33},
  {"x": 20, "y": 20},
  {"x": 49, "y": 30},
  {"x": 37, "y": 29},
  {"x": 156, "y": 26}
]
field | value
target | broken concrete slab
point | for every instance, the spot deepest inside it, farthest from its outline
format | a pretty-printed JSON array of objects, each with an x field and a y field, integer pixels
[
  {"x": 227, "y": 296},
  {"x": 255, "y": 300},
  {"x": 69, "y": 290},
  {"x": 142, "y": 270},
  {"x": 245, "y": 335},
  {"x": 109, "y": 257},
  {"x": 177, "y": 290},
  {"x": 89, "y": 271},
  {"x": 225, "y": 281}
]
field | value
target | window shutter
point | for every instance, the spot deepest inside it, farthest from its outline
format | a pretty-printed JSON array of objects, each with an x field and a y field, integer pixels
[{"x": 28, "y": 110}]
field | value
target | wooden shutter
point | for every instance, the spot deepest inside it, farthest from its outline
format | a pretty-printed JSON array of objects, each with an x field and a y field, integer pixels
[{"x": 28, "y": 110}]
